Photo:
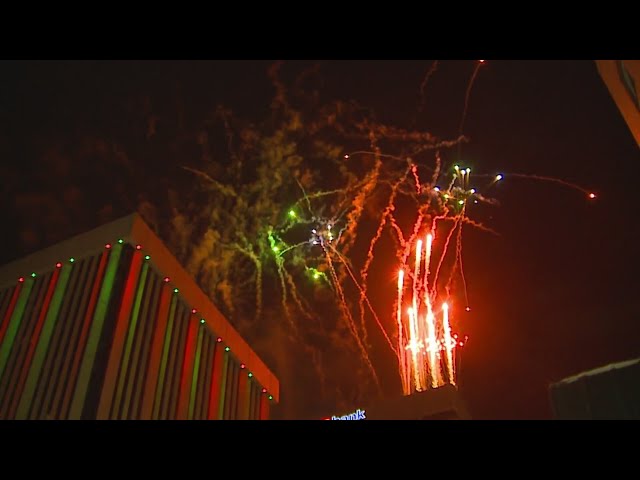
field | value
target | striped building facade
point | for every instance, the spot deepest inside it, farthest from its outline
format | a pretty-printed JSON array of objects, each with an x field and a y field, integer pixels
[{"x": 108, "y": 325}]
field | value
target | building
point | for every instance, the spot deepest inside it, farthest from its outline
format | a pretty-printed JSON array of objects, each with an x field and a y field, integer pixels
[
  {"x": 108, "y": 325},
  {"x": 611, "y": 392},
  {"x": 443, "y": 403},
  {"x": 622, "y": 78}
]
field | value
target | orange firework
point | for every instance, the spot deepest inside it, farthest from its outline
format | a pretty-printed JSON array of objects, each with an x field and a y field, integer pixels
[
  {"x": 447, "y": 342},
  {"x": 424, "y": 341},
  {"x": 402, "y": 358}
]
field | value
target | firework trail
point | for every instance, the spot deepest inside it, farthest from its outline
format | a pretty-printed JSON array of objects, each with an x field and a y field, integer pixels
[
  {"x": 258, "y": 275},
  {"x": 427, "y": 260},
  {"x": 459, "y": 259},
  {"x": 299, "y": 244},
  {"x": 414, "y": 347},
  {"x": 500, "y": 176},
  {"x": 419, "y": 327},
  {"x": 285, "y": 305},
  {"x": 258, "y": 265},
  {"x": 402, "y": 358},
  {"x": 445, "y": 249},
  {"x": 363, "y": 295},
  {"x": 425, "y": 81},
  {"x": 436, "y": 170},
  {"x": 434, "y": 365},
  {"x": 430, "y": 333},
  {"x": 354, "y": 215},
  {"x": 350, "y": 322},
  {"x": 447, "y": 342},
  {"x": 304, "y": 193},
  {"x": 414, "y": 235},
  {"x": 416, "y": 275},
  {"x": 358, "y": 205},
  {"x": 364, "y": 273},
  {"x": 398, "y": 230},
  {"x": 295, "y": 295},
  {"x": 468, "y": 95},
  {"x": 280, "y": 270},
  {"x": 453, "y": 181},
  {"x": 479, "y": 226},
  {"x": 554, "y": 180},
  {"x": 414, "y": 171}
]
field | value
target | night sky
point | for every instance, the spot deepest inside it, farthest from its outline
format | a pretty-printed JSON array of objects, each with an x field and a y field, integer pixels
[{"x": 553, "y": 295}]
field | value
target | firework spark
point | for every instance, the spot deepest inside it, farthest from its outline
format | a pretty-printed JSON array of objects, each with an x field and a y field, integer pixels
[{"x": 447, "y": 342}]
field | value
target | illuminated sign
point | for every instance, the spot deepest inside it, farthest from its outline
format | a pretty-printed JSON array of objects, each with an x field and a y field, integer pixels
[{"x": 357, "y": 415}]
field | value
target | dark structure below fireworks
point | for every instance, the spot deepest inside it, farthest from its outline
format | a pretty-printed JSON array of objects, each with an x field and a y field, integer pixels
[
  {"x": 611, "y": 392},
  {"x": 443, "y": 403},
  {"x": 108, "y": 325}
]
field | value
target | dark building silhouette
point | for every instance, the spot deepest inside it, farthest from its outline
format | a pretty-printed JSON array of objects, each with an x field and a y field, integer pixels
[
  {"x": 611, "y": 392},
  {"x": 443, "y": 403},
  {"x": 108, "y": 325}
]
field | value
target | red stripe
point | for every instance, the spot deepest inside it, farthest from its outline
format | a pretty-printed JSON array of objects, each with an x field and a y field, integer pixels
[
  {"x": 117, "y": 345},
  {"x": 88, "y": 318},
  {"x": 216, "y": 382},
  {"x": 7, "y": 315},
  {"x": 33, "y": 342},
  {"x": 153, "y": 370},
  {"x": 264, "y": 407},
  {"x": 243, "y": 395},
  {"x": 187, "y": 369}
]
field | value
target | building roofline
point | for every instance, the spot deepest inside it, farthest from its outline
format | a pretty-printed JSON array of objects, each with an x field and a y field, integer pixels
[
  {"x": 595, "y": 372},
  {"x": 627, "y": 103}
]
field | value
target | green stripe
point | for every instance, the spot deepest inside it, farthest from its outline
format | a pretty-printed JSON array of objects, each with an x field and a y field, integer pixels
[
  {"x": 137, "y": 383},
  {"x": 194, "y": 379},
  {"x": 163, "y": 362},
  {"x": 43, "y": 344},
  {"x": 14, "y": 324},
  {"x": 127, "y": 349},
  {"x": 95, "y": 333},
  {"x": 223, "y": 386}
]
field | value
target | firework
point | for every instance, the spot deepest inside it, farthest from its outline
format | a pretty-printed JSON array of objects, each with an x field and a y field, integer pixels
[
  {"x": 425, "y": 341},
  {"x": 317, "y": 241}
]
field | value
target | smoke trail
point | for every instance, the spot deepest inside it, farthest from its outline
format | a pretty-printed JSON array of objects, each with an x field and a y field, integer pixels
[
  {"x": 423, "y": 85},
  {"x": 294, "y": 294},
  {"x": 398, "y": 230},
  {"x": 551, "y": 179},
  {"x": 479, "y": 226},
  {"x": 366, "y": 298},
  {"x": 364, "y": 273},
  {"x": 358, "y": 205},
  {"x": 414, "y": 171},
  {"x": 467, "y": 95},
  {"x": 304, "y": 195},
  {"x": 350, "y": 322},
  {"x": 445, "y": 248},
  {"x": 459, "y": 259}
]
